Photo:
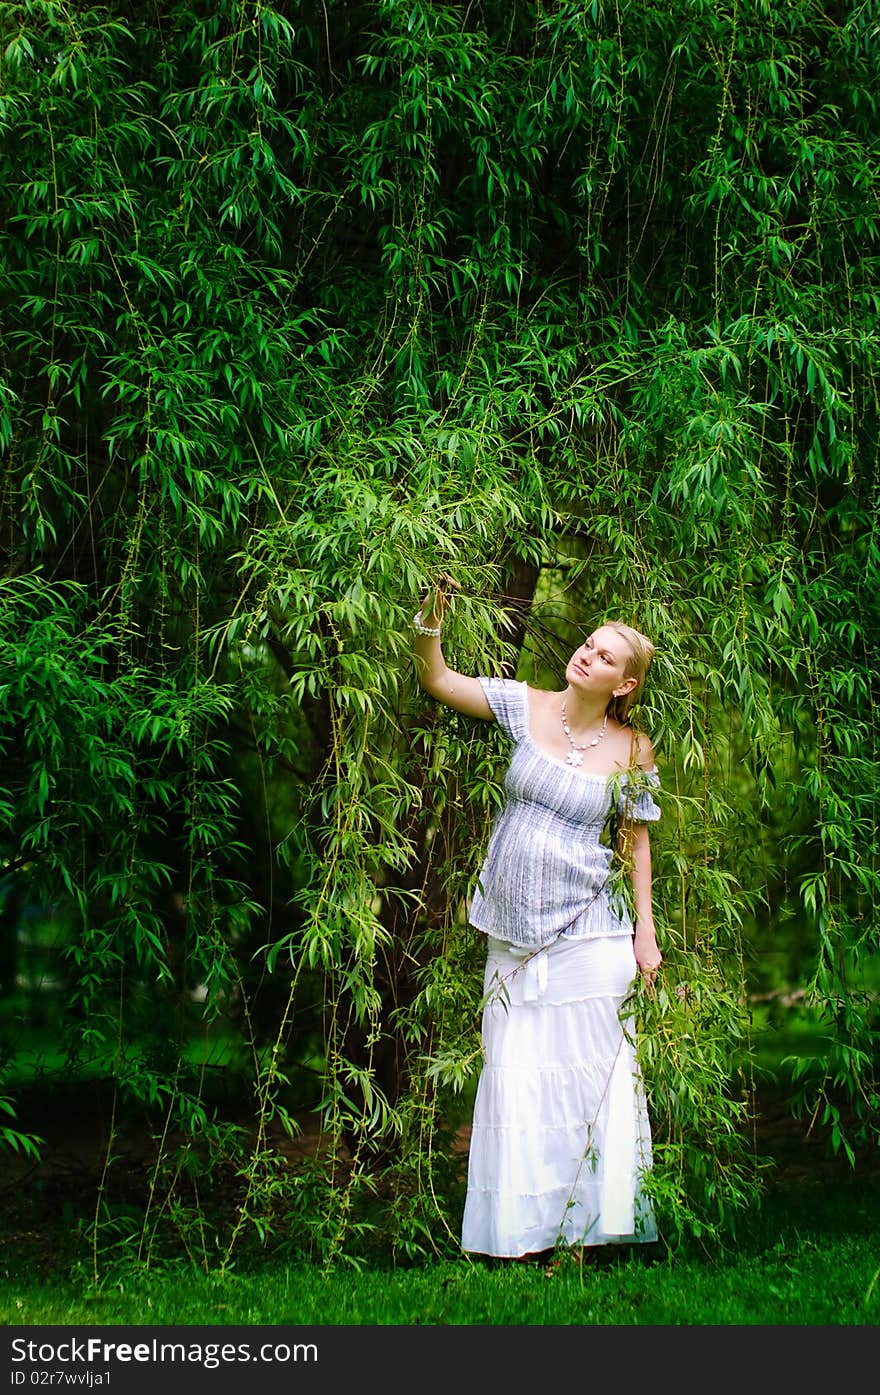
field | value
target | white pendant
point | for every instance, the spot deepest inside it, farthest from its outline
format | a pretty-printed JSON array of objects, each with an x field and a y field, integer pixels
[{"x": 575, "y": 758}]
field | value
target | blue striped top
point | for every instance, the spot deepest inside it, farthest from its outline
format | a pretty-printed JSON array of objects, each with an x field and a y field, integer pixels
[{"x": 546, "y": 871}]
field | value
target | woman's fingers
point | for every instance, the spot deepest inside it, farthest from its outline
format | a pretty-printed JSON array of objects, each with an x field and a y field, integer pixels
[
  {"x": 438, "y": 597},
  {"x": 442, "y": 588},
  {"x": 649, "y": 969}
]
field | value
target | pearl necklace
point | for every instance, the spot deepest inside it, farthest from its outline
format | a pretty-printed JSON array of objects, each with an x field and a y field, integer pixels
[{"x": 574, "y": 756}]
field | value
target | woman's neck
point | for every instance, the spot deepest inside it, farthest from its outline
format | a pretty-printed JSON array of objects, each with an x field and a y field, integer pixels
[{"x": 581, "y": 713}]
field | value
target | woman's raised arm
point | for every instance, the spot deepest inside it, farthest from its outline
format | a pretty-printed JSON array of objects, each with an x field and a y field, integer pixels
[{"x": 453, "y": 689}]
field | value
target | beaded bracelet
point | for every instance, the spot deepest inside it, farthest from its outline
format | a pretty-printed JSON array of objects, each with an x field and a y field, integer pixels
[{"x": 422, "y": 629}]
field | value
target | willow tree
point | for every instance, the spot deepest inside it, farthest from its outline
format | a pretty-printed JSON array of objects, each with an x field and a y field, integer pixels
[{"x": 304, "y": 307}]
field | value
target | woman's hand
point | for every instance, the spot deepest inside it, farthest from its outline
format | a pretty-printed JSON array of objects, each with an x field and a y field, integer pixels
[
  {"x": 457, "y": 690},
  {"x": 648, "y": 956},
  {"x": 436, "y": 601}
]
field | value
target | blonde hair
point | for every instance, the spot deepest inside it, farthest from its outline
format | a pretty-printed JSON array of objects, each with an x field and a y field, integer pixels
[{"x": 637, "y": 665}]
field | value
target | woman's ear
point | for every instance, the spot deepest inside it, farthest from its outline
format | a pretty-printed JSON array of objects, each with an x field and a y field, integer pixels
[{"x": 630, "y": 683}]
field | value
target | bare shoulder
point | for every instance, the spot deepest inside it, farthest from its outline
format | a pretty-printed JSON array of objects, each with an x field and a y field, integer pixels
[
  {"x": 630, "y": 747},
  {"x": 540, "y": 698},
  {"x": 643, "y": 750},
  {"x": 544, "y": 707}
]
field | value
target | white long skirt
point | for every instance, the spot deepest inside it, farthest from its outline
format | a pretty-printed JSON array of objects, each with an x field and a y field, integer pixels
[{"x": 560, "y": 1137}]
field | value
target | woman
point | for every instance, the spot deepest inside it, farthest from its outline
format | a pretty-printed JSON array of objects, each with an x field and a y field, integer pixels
[{"x": 560, "y": 1136}]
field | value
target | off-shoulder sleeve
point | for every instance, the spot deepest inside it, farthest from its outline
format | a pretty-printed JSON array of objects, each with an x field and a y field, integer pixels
[
  {"x": 507, "y": 699},
  {"x": 635, "y": 799}
]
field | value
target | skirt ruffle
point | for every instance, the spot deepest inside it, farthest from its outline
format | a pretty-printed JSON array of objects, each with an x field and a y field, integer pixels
[{"x": 561, "y": 1137}]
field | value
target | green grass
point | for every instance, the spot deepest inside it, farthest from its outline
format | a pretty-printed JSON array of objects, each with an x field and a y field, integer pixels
[{"x": 811, "y": 1256}]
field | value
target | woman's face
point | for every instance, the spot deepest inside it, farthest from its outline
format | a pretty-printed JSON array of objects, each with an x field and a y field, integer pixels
[{"x": 598, "y": 665}]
